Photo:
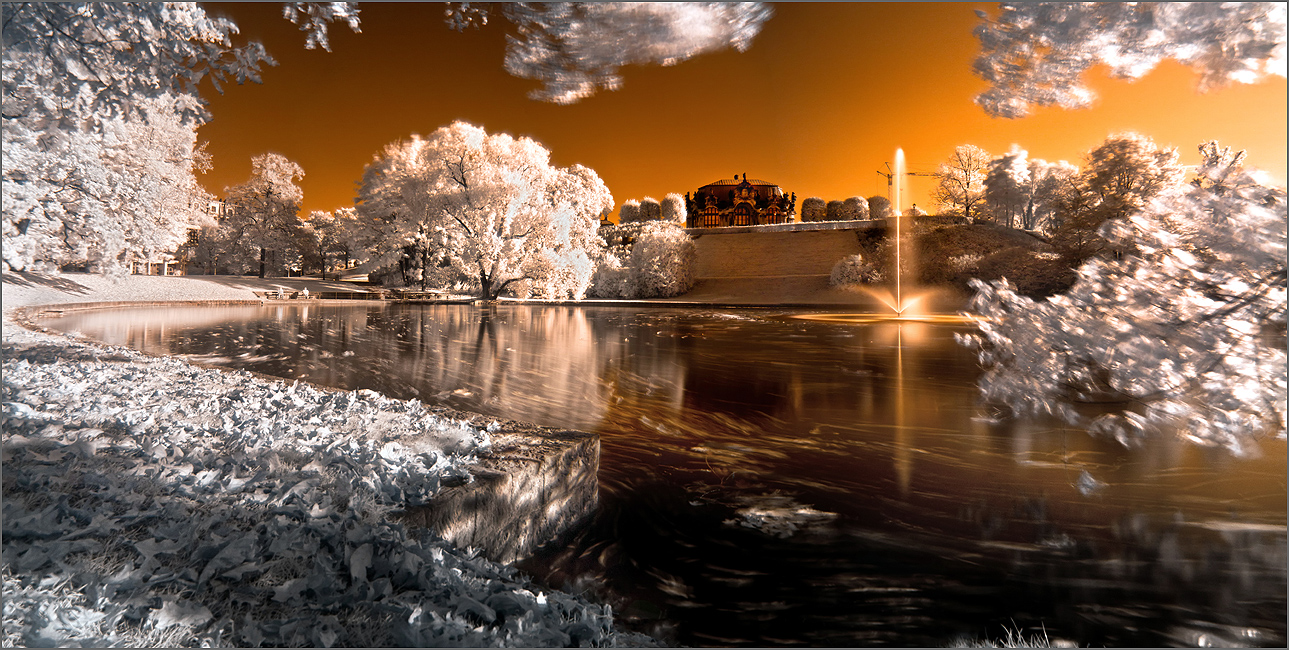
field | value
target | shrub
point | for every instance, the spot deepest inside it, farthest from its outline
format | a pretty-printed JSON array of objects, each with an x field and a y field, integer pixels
[
  {"x": 832, "y": 211},
  {"x": 854, "y": 209},
  {"x": 1034, "y": 274},
  {"x": 650, "y": 209},
  {"x": 879, "y": 207},
  {"x": 629, "y": 212},
  {"x": 662, "y": 262},
  {"x": 557, "y": 275},
  {"x": 967, "y": 263},
  {"x": 673, "y": 209},
  {"x": 951, "y": 254},
  {"x": 610, "y": 279},
  {"x": 854, "y": 271},
  {"x": 813, "y": 209}
]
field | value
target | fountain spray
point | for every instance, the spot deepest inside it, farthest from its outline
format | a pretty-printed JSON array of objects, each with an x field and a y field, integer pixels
[{"x": 899, "y": 176}]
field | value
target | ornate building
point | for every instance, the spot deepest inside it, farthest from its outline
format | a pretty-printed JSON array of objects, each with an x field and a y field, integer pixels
[{"x": 739, "y": 203}]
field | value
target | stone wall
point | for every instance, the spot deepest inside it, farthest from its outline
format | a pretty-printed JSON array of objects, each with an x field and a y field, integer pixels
[{"x": 747, "y": 253}]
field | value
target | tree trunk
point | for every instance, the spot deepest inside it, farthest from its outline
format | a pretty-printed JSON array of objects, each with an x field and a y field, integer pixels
[
  {"x": 485, "y": 286},
  {"x": 263, "y": 261},
  {"x": 425, "y": 267}
]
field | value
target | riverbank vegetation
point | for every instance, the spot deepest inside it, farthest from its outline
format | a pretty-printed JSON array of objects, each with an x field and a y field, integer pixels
[
  {"x": 647, "y": 254},
  {"x": 1178, "y": 326}
]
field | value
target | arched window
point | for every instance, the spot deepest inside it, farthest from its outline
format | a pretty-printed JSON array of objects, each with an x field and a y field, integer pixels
[{"x": 711, "y": 216}]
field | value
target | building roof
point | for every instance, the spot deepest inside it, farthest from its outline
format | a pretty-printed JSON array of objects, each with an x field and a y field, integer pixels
[{"x": 737, "y": 181}]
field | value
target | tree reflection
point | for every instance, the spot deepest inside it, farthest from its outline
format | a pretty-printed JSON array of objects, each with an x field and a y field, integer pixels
[{"x": 862, "y": 442}]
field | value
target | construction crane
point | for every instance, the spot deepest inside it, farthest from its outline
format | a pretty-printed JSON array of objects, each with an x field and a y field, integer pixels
[{"x": 890, "y": 179}]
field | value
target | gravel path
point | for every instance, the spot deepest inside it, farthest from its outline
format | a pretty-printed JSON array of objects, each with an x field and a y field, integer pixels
[{"x": 26, "y": 289}]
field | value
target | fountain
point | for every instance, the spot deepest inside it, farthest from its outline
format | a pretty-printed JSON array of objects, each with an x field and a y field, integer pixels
[
  {"x": 895, "y": 204},
  {"x": 904, "y": 308}
]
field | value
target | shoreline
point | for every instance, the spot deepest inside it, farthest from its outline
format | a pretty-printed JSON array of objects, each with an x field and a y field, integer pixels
[
  {"x": 475, "y": 616},
  {"x": 147, "y": 500}
]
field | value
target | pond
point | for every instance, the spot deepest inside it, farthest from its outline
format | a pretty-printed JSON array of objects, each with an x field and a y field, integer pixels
[{"x": 771, "y": 480}]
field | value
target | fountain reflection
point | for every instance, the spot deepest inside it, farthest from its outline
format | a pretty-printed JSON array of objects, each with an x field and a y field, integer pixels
[{"x": 920, "y": 307}]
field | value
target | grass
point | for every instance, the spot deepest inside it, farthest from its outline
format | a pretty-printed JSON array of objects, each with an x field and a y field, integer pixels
[{"x": 1014, "y": 638}]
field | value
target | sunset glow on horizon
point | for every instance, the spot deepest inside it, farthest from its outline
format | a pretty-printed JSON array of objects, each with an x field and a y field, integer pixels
[{"x": 818, "y": 104}]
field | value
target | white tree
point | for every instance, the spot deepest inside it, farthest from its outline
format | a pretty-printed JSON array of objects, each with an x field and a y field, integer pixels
[
  {"x": 673, "y": 209},
  {"x": 124, "y": 190},
  {"x": 1029, "y": 193},
  {"x": 1035, "y": 54},
  {"x": 263, "y": 214},
  {"x": 490, "y": 207},
  {"x": 575, "y": 48},
  {"x": 567, "y": 262},
  {"x": 853, "y": 272},
  {"x": 1183, "y": 332},
  {"x": 650, "y": 209},
  {"x": 1053, "y": 185},
  {"x": 961, "y": 186},
  {"x": 629, "y": 212},
  {"x": 314, "y": 17},
  {"x": 330, "y": 237},
  {"x": 1120, "y": 176},
  {"x": 101, "y": 108},
  {"x": 1128, "y": 169},
  {"x": 1009, "y": 187},
  {"x": 349, "y": 233}
]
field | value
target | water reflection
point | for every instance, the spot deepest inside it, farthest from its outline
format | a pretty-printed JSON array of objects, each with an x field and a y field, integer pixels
[{"x": 772, "y": 480}]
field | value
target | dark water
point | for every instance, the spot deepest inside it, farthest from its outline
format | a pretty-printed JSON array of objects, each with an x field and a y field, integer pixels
[{"x": 774, "y": 481}]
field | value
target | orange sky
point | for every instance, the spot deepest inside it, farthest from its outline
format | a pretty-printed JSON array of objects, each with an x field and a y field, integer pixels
[{"x": 818, "y": 104}]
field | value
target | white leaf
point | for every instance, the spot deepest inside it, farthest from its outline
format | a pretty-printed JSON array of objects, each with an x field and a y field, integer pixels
[
  {"x": 359, "y": 562},
  {"x": 181, "y": 612}
]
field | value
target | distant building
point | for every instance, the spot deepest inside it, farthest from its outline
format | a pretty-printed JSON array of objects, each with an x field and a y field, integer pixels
[{"x": 739, "y": 203}]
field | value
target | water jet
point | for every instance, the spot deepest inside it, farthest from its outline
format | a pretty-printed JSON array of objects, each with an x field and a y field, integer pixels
[{"x": 895, "y": 203}]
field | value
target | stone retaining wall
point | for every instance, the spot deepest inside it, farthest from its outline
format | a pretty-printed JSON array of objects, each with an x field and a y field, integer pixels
[
  {"x": 749, "y": 254},
  {"x": 797, "y": 226}
]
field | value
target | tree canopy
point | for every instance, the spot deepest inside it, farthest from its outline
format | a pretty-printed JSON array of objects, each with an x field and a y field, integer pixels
[
  {"x": 490, "y": 207},
  {"x": 576, "y": 48},
  {"x": 1036, "y": 53},
  {"x": 1183, "y": 331},
  {"x": 961, "y": 186},
  {"x": 101, "y": 109},
  {"x": 263, "y": 214}
]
